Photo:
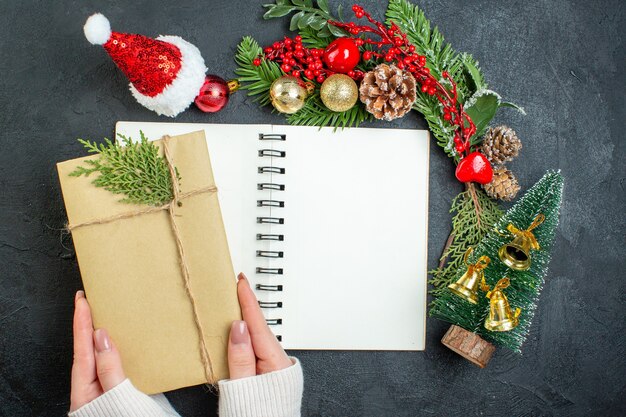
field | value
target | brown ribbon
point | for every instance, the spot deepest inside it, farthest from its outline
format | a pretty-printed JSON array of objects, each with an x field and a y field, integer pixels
[{"x": 176, "y": 201}]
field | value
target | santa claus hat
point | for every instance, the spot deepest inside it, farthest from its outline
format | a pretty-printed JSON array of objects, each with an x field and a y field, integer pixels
[{"x": 165, "y": 73}]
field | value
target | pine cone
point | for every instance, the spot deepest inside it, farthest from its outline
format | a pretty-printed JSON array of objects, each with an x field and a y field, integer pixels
[
  {"x": 503, "y": 186},
  {"x": 500, "y": 145},
  {"x": 388, "y": 92}
]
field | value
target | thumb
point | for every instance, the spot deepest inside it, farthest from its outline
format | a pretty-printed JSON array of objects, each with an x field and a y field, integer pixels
[
  {"x": 108, "y": 361},
  {"x": 241, "y": 359}
]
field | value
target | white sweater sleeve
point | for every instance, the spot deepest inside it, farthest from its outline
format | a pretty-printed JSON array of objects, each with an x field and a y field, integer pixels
[
  {"x": 275, "y": 394},
  {"x": 126, "y": 401}
]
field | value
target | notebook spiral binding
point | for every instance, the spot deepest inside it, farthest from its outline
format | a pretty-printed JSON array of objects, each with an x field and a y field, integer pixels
[{"x": 274, "y": 187}]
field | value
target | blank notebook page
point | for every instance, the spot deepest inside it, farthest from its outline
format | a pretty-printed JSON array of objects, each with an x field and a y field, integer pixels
[{"x": 354, "y": 231}]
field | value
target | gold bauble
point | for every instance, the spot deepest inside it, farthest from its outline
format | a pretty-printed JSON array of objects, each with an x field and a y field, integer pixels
[
  {"x": 339, "y": 92},
  {"x": 288, "y": 94}
]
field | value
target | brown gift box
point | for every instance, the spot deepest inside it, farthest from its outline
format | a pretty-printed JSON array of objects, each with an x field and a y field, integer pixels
[{"x": 133, "y": 276}]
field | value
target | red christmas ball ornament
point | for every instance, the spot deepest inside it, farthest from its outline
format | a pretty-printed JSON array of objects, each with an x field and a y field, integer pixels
[
  {"x": 474, "y": 168},
  {"x": 342, "y": 55},
  {"x": 214, "y": 93}
]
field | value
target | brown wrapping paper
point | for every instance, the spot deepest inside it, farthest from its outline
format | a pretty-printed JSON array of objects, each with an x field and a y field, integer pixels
[{"x": 132, "y": 274}]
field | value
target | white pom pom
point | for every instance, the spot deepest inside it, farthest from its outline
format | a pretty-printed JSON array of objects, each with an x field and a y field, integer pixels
[{"x": 97, "y": 29}]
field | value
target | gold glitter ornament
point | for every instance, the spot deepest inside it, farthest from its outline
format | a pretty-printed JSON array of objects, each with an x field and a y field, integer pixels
[
  {"x": 339, "y": 93},
  {"x": 288, "y": 94}
]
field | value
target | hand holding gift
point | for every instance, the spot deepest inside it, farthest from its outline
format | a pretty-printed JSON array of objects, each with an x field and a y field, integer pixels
[{"x": 97, "y": 368}]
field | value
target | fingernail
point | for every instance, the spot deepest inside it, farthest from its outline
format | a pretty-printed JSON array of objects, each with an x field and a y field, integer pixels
[
  {"x": 241, "y": 276},
  {"x": 238, "y": 332},
  {"x": 79, "y": 294},
  {"x": 103, "y": 343}
]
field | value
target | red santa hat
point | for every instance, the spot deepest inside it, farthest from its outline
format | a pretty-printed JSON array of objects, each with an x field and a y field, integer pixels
[{"x": 165, "y": 73}]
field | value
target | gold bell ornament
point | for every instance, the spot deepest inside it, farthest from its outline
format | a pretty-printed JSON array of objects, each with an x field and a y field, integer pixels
[
  {"x": 501, "y": 318},
  {"x": 516, "y": 255},
  {"x": 288, "y": 94},
  {"x": 467, "y": 286}
]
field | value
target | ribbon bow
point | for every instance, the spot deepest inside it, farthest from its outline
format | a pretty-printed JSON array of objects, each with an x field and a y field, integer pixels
[
  {"x": 528, "y": 234},
  {"x": 500, "y": 285},
  {"x": 480, "y": 264}
]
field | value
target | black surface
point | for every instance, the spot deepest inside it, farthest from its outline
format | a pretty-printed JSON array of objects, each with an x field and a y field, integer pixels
[{"x": 562, "y": 60}]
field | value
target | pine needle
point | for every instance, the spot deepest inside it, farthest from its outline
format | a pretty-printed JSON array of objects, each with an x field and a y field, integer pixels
[
  {"x": 440, "y": 57},
  {"x": 134, "y": 169},
  {"x": 314, "y": 113},
  {"x": 469, "y": 225},
  {"x": 257, "y": 80}
]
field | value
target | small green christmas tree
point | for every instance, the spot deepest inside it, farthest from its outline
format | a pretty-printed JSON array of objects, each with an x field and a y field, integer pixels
[{"x": 544, "y": 198}]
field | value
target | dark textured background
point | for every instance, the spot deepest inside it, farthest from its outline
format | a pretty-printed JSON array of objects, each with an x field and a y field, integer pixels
[{"x": 562, "y": 60}]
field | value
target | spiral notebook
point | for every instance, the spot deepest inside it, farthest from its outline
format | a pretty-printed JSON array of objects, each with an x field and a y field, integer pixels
[{"x": 330, "y": 227}]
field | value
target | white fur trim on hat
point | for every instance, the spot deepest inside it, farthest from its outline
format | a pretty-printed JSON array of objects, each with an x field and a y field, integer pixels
[
  {"x": 97, "y": 29},
  {"x": 177, "y": 96}
]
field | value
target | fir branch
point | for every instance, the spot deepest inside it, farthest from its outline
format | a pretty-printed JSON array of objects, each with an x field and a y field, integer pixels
[
  {"x": 440, "y": 57},
  {"x": 545, "y": 198},
  {"x": 134, "y": 169},
  {"x": 432, "y": 111},
  {"x": 475, "y": 212},
  {"x": 256, "y": 79},
  {"x": 315, "y": 113},
  {"x": 428, "y": 41},
  {"x": 475, "y": 215}
]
